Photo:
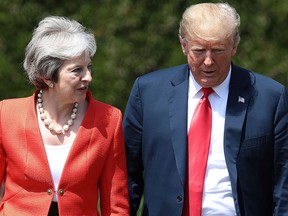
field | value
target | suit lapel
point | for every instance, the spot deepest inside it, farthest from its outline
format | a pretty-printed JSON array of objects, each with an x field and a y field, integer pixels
[
  {"x": 237, "y": 104},
  {"x": 177, "y": 100}
]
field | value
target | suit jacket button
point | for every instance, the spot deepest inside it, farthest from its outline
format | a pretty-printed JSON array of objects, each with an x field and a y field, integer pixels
[
  {"x": 61, "y": 192},
  {"x": 179, "y": 198},
  {"x": 49, "y": 191}
]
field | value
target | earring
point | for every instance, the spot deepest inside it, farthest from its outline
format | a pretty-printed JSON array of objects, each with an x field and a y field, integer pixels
[{"x": 51, "y": 85}]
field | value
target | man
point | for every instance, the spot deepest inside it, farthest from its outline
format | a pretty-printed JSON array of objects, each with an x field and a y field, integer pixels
[{"x": 246, "y": 171}]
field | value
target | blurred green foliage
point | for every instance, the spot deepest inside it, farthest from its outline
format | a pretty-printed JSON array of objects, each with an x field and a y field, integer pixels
[{"x": 136, "y": 37}]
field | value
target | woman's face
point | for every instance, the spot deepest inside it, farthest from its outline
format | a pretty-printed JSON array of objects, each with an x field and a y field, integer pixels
[{"x": 73, "y": 80}]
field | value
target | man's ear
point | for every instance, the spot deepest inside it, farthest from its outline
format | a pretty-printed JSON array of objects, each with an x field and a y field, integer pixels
[
  {"x": 184, "y": 46},
  {"x": 234, "y": 49}
]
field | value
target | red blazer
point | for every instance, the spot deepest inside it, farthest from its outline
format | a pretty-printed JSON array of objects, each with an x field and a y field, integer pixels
[{"x": 96, "y": 163}]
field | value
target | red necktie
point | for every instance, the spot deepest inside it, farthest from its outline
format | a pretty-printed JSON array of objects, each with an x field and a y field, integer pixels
[{"x": 198, "y": 147}]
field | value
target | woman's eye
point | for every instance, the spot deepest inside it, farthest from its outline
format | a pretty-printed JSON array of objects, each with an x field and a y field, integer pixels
[{"x": 77, "y": 70}]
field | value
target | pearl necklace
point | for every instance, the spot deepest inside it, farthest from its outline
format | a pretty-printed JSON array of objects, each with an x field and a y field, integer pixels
[{"x": 47, "y": 122}]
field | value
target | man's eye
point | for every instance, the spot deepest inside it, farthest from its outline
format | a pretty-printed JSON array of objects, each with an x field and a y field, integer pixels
[
  {"x": 218, "y": 51},
  {"x": 197, "y": 51}
]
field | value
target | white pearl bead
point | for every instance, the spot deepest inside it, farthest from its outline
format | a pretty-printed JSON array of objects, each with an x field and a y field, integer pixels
[
  {"x": 46, "y": 121},
  {"x": 70, "y": 122},
  {"x": 50, "y": 127},
  {"x": 66, "y": 127},
  {"x": 73, "y": 116},
  {"x": 58, "y": 129},
  {"x": 43, "y": 116}
]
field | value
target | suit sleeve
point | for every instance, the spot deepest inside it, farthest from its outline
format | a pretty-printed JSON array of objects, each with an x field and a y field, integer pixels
[
  {"x": 281, "y": 157},
  {"x": 132, "y": 124}
]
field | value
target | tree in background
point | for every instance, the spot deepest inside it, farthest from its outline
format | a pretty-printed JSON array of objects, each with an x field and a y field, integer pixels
[{"x": 137, "y": 37}]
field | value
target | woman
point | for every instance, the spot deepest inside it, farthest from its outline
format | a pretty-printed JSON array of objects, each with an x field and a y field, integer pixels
[{"x": 59, "y": 147}]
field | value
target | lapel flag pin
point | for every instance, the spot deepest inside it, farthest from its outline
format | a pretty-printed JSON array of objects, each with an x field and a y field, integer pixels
[{"x": 241, "y": 99}]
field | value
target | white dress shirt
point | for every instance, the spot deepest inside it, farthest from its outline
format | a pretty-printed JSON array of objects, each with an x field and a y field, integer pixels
[{"x": 217, "y": 192}]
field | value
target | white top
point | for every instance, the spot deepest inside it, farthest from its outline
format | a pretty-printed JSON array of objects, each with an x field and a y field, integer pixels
[
  {"x": 57, "y": 156},
  {"x": 217, "y": 192}
]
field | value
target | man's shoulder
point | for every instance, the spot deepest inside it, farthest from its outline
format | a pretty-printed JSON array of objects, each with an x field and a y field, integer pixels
[
  {"x": 257, "y": 79},
  {"x": 165, "y": 72}
]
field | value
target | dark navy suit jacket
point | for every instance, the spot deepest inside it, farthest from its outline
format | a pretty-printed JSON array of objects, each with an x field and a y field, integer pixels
[{"x": 255, "y": 142}]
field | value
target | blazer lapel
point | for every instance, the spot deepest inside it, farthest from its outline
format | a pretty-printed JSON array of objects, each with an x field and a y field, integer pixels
[
  {"x": 178, "y": 100},
  {"x": 237, "y": 104},
  {"x": 36, "y": 156},
  {"x": 77, "y": 157}
]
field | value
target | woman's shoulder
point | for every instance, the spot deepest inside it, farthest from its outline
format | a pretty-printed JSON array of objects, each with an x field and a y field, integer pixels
[
  {"x": 101, "y": 108},
  {"x": 16, "y": 103},
  {"x": 105, "y": 107}
]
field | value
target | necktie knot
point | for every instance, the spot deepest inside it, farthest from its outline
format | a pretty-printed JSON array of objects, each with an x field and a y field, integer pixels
[{"x": 207, "y": 92}]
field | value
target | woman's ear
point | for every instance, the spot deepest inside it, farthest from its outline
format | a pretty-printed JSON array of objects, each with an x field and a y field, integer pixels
[{"x": 49, "y": 83}]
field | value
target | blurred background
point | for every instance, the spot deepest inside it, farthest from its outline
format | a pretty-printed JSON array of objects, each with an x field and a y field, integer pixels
[{"x": 136, "y": 37}]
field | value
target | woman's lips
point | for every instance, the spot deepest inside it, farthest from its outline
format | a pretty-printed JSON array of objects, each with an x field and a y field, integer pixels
[{"x": 83, "y": 88}]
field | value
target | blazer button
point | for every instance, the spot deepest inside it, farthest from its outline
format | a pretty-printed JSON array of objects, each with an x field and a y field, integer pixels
[
  {"x": 49, "y": 191},
  {"x": 61, "y": 192},
  {"x": 179, "y": 198}
]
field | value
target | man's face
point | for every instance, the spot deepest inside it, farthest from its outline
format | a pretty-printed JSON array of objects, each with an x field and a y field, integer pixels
[{"x": 209, "y": 61}]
